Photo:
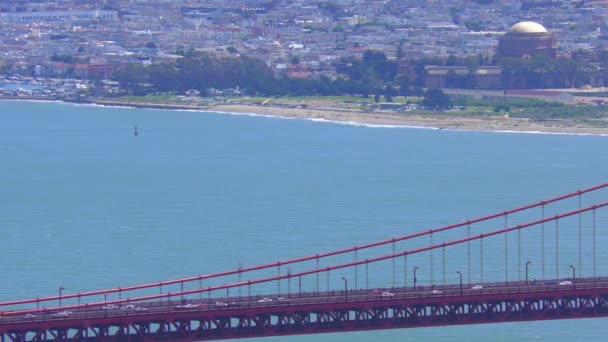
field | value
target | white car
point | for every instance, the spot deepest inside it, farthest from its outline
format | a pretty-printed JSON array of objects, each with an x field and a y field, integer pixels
[
  {"x": 387, "y": 294},
  {"x": 565, "y": 283},
  {"x": 63, "y": 313},
  {"x": 477, "y": 287},
  {"x": 128, "y": 307},
  {"x": 187, "y": 306},
  {"x": 110, "y": 307},
  {"x": 265, "y": 300},
  {"x": 436, "y": 292}
]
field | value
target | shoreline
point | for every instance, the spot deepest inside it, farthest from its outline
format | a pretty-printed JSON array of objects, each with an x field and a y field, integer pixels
[
  {"x": 430, "y": 121},
  {"x": 373, "y": 119}
]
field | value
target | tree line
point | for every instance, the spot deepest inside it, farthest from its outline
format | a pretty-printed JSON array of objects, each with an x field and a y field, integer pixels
[{"x": 372, "y": 75}]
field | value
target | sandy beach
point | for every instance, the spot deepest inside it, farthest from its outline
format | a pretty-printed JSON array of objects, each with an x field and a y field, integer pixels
[
  {"x": 451, "y": 121},
  {"x": 439, "y": 121}
]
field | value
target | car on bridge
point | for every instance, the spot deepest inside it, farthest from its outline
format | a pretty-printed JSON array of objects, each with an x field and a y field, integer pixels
[
  {"x": 477, "y": 287},
  {"x": 387, "y": 294},
  {"x": 110, "y": 307},
  {"x": 187, "y": 306},
  {"x": 565, "y": 283},
  {"x": 265, "y": 300}
]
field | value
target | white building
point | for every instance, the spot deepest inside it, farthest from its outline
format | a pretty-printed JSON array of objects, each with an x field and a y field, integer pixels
[{"x": 29, "y": 17}]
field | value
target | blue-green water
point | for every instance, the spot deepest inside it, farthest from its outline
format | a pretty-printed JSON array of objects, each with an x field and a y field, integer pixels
[{"x": 86, "y": 205}]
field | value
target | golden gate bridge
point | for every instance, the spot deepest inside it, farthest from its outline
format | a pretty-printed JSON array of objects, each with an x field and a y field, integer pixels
[{"x": 516, "y": 265}]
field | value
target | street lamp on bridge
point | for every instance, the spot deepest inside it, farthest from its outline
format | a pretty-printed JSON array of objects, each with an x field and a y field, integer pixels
[
  {"x": 415, "y": 279},
  {"x": 527, "y": 263},
  {"x": 60, "y": 290},
  {"x": 573, "y": 276},
  {"x": 460, "y": 274},
  {"x": 345, "y": 288}
]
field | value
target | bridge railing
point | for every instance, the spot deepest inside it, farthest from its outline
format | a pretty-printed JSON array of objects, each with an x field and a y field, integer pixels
[{"x": 423, "y": 295}]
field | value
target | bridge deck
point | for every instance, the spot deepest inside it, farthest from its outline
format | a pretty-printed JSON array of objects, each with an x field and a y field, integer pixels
[{"x": 318, "y": 313}]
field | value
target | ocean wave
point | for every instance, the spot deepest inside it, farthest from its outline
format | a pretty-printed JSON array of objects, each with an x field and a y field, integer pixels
[
  {"x": 253, "y": 115},
  {"x": 369, "y": 125},
  {"x": 374, "y": 125},
  {"x": 551, "y": 133}
]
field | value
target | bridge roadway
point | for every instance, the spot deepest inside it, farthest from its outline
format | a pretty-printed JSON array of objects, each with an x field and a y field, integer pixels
[{"x": 299, "y": 313}]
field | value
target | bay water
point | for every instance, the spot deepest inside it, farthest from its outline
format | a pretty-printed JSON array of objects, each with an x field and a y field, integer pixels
[{"x": 85, "y": 204}]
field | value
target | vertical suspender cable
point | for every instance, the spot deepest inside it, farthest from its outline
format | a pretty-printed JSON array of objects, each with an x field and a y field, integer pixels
[
  {"x": 356, "y": 271},
  {"x": 317, "y": 273},
  {"x": 405, "y": 270},
  {"x": 594, "y": 274},
  {"x": 469, "y": 252},
  {"x": 542, "y": 239},
  {"x": 366, "y": 274},
  {"x": 481, "y": 255},
  {"x": 556, "y": 248},
  {"x": 432, "y": 278},
  {"x": 393, "y": 258},
  {"x": 443, "y": 263},
  {"x": 519, "y": 254},
  {"x": 506, "y": 250},
  {"x": 580, "y": 238}
]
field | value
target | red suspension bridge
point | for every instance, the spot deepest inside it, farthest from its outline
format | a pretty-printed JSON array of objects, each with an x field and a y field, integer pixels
[{"x": 517, "y": 265}]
